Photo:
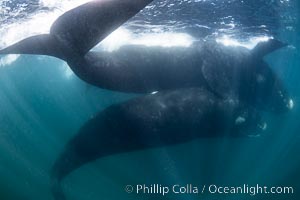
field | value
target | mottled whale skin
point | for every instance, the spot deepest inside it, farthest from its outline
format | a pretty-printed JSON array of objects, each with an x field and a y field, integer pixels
[
  {"x": 154, "y": 120},
  {"x": 234, "y": 72}
]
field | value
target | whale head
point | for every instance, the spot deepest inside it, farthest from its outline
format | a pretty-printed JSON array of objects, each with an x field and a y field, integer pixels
[
  {"x": 268, "y": 90},
  {"x": 240, "y": 73}
]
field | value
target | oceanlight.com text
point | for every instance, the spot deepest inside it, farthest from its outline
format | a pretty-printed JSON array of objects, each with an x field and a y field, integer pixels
[{"x": 252, "y": 190}]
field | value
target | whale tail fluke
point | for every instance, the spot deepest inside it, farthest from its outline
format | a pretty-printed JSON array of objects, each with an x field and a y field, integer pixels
[
  {"x": 78, "y": 30},
  {"x": 44, "y": 44}
]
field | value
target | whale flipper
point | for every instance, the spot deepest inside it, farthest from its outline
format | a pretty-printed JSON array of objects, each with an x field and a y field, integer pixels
[
  {"x": 77, "y": 31},
  {"x": 264, "y": 48}
]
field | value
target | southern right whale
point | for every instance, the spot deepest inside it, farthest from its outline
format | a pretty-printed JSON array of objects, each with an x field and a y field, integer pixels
[
  {"x": 230, "y": 72},
  {"x": 154, "y": 120}
]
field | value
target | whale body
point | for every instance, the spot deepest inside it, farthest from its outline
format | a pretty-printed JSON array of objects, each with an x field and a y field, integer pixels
[
  {"x": 229, "y": 72},
  {"x": 154, "y": 120}
]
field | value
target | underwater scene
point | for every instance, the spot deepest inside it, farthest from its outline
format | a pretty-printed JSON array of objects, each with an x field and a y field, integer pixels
[{"x": 149, "y": 99}]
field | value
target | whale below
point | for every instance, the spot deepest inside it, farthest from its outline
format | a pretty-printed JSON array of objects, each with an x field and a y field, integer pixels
[
  {"x": 154, "y": 120},
  {"x": 230, "y": 72}
]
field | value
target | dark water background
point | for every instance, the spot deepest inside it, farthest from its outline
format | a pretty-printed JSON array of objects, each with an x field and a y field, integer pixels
[{"x": 41, "y": 109}]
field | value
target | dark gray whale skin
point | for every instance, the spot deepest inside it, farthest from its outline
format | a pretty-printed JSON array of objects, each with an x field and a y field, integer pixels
[
  {"x": 154, "y": 120},
  {"x": 230, "y": 72},
  {"x": 234, "y": 72}
]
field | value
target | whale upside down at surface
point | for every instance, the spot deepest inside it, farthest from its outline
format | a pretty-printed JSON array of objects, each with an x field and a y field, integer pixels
[
  {"x": 154, "y": 120},
  {"x": 230, "y": 72}
]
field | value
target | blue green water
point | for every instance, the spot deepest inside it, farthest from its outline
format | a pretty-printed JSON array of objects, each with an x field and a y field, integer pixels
[{"x": 41, "y": 109}]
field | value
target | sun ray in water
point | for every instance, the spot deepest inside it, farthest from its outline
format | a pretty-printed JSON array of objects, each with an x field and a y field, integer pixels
[{"x": 43, "y": 104}]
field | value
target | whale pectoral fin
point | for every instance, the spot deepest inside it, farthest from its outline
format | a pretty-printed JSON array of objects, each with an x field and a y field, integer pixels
[
  {"x": 39, "y": 45},
  {"x": 85, "y": 26},
  {"x": 218, "y": 80},
  {"x": 264, "y": 48}
]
